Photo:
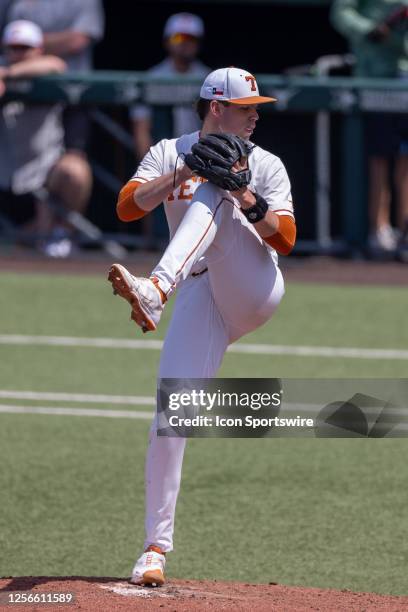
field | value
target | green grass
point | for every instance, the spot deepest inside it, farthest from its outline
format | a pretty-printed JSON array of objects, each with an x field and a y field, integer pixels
[
  {"x": 309, "y": 314},
  {"x": 314, "y": 512},
  {"x": 329, "y": 513}
]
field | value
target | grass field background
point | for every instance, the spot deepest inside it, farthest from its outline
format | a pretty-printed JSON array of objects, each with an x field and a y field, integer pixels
[{"x": 329, "y": 513}]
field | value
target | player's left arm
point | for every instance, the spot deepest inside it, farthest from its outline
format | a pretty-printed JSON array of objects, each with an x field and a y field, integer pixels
[
  {"x": 278, "y": 227},
  {"x": 279, "y": 231}
]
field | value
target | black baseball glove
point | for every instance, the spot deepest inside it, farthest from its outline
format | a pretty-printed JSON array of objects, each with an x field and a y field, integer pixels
[{"x": 213, "y": 156}]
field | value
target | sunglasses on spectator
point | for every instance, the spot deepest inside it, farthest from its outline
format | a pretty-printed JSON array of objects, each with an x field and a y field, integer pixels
[{"x": 176, "y": 39}]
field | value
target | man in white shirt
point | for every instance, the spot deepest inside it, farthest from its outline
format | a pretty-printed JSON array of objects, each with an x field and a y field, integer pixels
[
  {"x": 70, "y": 29},
  {"x": 32, "y": 145}
]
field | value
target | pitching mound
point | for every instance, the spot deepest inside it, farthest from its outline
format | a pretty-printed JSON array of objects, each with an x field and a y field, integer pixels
[{"x": 113, "y": 594}]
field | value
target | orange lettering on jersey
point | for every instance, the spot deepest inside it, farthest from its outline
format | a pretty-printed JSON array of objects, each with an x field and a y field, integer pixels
[
  {"x": 198, "y": 179},
  {"x": 253, "y": 82},
  {"x": 184, "y": 192},
  {"x": 184, "y": 188}
]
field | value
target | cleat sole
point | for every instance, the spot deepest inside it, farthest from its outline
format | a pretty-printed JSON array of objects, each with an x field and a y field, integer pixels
[
  {"x": 121, "y": 287},
  {"x": 154, "y": 578}
]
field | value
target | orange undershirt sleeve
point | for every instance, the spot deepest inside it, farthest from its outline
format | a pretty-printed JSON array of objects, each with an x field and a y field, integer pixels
[
  {"x": 284, "y": 239},
  {"x": 126, "y": 207}
]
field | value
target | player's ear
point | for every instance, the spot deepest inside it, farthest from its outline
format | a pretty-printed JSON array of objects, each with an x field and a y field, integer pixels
[{"x": 216, "y": 108}]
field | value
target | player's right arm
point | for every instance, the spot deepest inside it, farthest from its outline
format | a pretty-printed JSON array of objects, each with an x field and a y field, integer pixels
[{"x": 149, "y": 187}]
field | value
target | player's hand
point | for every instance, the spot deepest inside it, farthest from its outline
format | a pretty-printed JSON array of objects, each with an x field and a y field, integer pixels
[
  {"x": 241, "y": 164},
  {"x": 184, "y": 173},
  {"x": 218, "y": 158},
  {"x": 244, "y": 196}
]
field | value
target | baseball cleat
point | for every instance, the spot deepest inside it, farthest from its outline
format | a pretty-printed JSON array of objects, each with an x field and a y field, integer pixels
[
  {"x": 149, "y": 569},
  {"x": 141, "y": 293}
]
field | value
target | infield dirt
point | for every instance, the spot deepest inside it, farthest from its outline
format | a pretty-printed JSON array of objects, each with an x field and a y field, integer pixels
[{"x": 96, "y": 594}]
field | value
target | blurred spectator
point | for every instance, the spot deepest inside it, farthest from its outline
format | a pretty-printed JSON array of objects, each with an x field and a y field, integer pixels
[
  {"x": 71, "y": 28},
  {"x": 378, "y": 36},
  {"x": 35, "y": 171},
  {"x": 182, "y": 37},
  {"x": 183, "y": 33}
]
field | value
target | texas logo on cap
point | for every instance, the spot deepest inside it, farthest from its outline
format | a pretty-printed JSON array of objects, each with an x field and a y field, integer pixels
[{"x": 232, "y": 85}]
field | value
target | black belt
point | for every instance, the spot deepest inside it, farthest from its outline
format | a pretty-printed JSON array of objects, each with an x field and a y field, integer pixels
[{"x": 199, "y": 273}]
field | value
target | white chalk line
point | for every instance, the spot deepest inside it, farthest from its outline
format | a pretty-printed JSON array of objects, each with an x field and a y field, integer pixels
[
  {"x": 129, "y": 400},
  {"x": 291, "y": 409},
  {"x": 145, "y": 400},
  {"x": 255, "y": 349},
  {"x": 83, "y": 412}
]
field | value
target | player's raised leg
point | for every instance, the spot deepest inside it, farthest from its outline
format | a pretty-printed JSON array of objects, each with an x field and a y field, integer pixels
[
  {"x": 246, "y": 282},
  {"x": 147, "y": 296}
]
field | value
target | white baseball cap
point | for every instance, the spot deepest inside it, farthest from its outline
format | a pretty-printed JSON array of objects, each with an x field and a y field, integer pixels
[
  {"x": 232, "y": 85},
  {"x": 184, "y": 23},
  {"x": 22, "y": 32}
]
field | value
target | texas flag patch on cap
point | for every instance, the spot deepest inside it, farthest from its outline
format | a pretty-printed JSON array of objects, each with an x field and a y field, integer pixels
[{"x": 217, "y": 92}]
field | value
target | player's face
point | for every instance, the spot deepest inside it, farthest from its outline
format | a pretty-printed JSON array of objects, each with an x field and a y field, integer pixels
[{"x": 239, "y": 119}]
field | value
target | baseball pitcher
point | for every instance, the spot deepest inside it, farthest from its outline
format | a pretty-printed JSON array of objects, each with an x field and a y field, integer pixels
[{"x": 229, "y": 208}]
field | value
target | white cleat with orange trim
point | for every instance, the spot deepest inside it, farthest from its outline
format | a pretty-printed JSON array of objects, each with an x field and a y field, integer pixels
[
  {"x": 143, "y": 295},
  {"x": 149, "y": 569}
]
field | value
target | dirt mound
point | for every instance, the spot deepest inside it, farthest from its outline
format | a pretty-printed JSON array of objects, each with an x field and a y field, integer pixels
[{"x": 113, "y": 594}]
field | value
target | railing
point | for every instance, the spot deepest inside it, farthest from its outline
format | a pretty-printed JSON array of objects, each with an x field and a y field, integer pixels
[{"x": 349, "y": 97}]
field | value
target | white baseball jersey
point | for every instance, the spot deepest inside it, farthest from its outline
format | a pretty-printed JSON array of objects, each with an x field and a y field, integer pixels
[{"x": 269, "y": 178}]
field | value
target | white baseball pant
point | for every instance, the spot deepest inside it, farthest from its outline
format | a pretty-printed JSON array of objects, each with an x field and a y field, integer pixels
[{"x": 240, "y": 292}]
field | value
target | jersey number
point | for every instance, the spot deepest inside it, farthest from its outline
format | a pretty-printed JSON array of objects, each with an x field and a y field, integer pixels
[{"x": 185, "y": 192}]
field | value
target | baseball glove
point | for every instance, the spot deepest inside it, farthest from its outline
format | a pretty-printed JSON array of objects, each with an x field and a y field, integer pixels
[{"x": 213, "y": 156}]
